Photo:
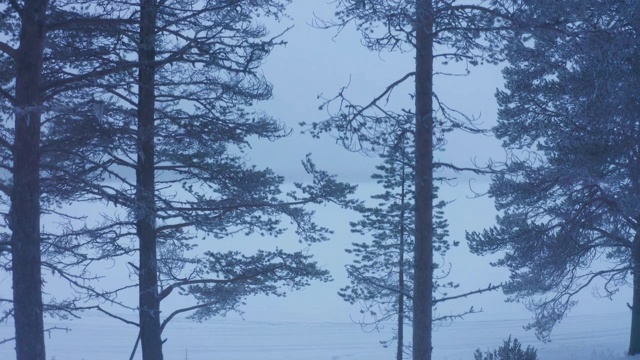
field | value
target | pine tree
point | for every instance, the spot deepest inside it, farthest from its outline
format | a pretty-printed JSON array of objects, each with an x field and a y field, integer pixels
[
  {"x": 431, "y": 29},
  {"x": 42, "y": 91},
  {"x": 163, "y": 91},
  {"x": 381, "y": 275},
  {"x": 567, "y": 195},
  {"x": 181, "y": 119}
]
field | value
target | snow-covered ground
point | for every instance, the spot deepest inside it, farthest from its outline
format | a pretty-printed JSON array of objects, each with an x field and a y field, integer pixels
[{"x": 98, "y": 338}]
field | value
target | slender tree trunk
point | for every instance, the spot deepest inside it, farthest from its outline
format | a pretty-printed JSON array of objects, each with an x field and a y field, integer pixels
[
  {"x": 150, "y": 334},
  {"x": 24, "y": 218},
  {"x": 401, "y": 263},
  {"x": 423, "y": 288},
  {"x": 399, "y": 350},
  {"x": 634, "y": 341}
]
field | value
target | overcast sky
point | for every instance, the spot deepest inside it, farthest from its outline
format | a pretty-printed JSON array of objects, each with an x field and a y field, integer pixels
[{"x": 319, "y": 62}]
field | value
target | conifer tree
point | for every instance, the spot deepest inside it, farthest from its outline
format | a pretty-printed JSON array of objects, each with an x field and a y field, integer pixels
[
  {"x": 43, "y": 91},
  {"x": 433, "y": 30},
  {"x": 567, "y": 195},
  {"x": 381, "y": 274},
  {"x": 181, "y": 120}
]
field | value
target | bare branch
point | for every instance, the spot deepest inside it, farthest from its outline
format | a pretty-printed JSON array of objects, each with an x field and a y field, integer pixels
[
  {"x": 47, "y": 330},
  {"x": 116, "y": 316},
  {"x": 479, "y": 291}
]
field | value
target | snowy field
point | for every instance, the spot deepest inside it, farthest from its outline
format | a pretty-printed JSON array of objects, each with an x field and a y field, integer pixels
[{"x": 97, "y": 338}]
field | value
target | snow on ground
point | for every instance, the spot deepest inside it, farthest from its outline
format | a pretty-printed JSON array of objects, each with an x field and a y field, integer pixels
[{"x": 96, "y": 337}]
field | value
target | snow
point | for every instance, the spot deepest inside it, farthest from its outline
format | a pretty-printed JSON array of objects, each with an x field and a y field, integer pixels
[{"x": 95, "y": 337}]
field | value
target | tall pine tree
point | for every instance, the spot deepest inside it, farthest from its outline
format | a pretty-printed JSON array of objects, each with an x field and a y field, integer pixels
[
  {"x": 44, "y": 90},
  {"x": 381, "y": 274},
  {"x": 181, "y": 119},
  {"x": 568, "y": 194},
  {"x": 433, "y": 30}
]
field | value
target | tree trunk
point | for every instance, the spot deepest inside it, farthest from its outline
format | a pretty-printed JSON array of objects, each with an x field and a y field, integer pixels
[
  {"x": 24, "y": 219},
  {"x": 150, "y": 334},
  {"x": 423, "y": 288},
  {"x": 399, "y": 350},
  {"x": 401, "y": 264},
  {"x": 634, "y": 341}
]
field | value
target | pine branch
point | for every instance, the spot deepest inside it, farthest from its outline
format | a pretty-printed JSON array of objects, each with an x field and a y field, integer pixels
[
  {"x": 183, "y": 310},
  {"x": 7, "y": 49},
  {"x": 478, "y": 171},
  {"x": 4, "y": 341},
  {"x": 242, "y": 277},
  {"x": 116, "y": 316},
  {"x": 452, "y": 317},
  {"x": 479, "y": 291}
]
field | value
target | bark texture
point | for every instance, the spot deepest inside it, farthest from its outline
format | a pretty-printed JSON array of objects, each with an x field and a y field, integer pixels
[
  {"x": 423, "y": 288},
  {"x": 149, "y": 301},
  {"x": 401, "y": 265},
  {"x": 24, "y": 219}
]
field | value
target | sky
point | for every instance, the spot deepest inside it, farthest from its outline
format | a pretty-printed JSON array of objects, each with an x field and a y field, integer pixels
[{"x": 317, "y": 63}]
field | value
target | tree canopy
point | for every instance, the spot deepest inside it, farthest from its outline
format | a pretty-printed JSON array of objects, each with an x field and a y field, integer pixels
[{"x": 567, "y": 194}]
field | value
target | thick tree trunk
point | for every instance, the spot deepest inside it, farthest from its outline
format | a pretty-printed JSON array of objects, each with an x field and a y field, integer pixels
[
  {"x": 634, "y": 341},
  {"x": 25, "y": 196},
  {"x": 423, "y": 288},
  {"x": 150, "y": 334}
]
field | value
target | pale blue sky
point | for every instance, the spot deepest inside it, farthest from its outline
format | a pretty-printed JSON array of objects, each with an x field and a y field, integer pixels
[{"x": 319, "y": 62}]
